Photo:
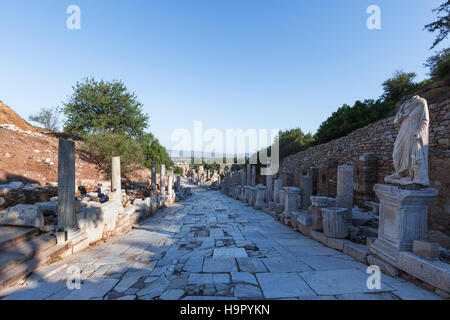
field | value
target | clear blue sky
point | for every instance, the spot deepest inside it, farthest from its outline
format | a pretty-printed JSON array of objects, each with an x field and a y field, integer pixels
[{"x": 233, "y": 64}]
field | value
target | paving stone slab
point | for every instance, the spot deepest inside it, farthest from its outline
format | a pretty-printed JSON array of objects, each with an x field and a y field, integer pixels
[
  {"x": 247, "y": 291},
  {"x": 201, "y": 278},
  {"x": 283, "y": 285},
  {"x": 251, "y": 265},
  {"x": 219, "y": 265},
  {"x": 243, "y": 277},
  {"x": 281, "y": 265},
  {"x": 229, "y": 253},
  {"x": 335, "y": 282},
  {"x": 322, "y": 263}
]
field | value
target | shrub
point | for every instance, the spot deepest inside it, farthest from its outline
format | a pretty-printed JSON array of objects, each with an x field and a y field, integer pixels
[
  {"x": 101, "y": 147},
  {"x": 439, "y": 64},
  {"x": 347, "y": 119},
  {"x": 400, "y": 85}
]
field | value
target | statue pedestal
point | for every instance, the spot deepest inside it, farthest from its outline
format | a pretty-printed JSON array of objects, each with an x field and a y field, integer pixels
[{"x": 403, "y": 219}]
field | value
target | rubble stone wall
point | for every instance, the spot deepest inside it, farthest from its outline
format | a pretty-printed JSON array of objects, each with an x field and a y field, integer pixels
[{"x": 377, "y": 139}]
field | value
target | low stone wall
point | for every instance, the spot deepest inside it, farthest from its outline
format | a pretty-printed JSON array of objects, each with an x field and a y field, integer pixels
[{"x": 378, "y": 140}]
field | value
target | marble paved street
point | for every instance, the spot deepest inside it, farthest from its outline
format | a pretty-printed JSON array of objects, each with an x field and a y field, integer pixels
[{"x": 211, "y": 246}]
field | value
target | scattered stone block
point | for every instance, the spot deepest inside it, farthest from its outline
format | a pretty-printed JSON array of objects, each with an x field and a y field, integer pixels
[
  {"x": 23, "y": 215},
  {"x": 304, "y": 219},
  {"x": 334, "y": 222},
  {"x": 319, "y": 236},
  {"x": 385, "y": 267},
  {"x": 436, "y": 273},
  {"x": 426, "y": 250},
  {"x": 357, "y": 251},
  {"x": 336, "y": 244}
]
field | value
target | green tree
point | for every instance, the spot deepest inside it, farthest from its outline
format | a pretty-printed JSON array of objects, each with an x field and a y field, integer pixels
[
  {"x": 398, "y": 86},
  {"x": 178, "y": 171},
  {"x": 154, "y": 151},
  {"x": 101, "y": 147},
  {"x": 442, "y": 24},
  {"x": 104, "y": 106},
  {"x": 347, "y": 119},
  {"x": 47, "y": 117},
  {"x": 439, "y": 64}
]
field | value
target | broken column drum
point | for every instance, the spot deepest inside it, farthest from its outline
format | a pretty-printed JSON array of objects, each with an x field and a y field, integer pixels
[
  {"x": 319, "y": 202},
  {"x": 334, "y": 223}
]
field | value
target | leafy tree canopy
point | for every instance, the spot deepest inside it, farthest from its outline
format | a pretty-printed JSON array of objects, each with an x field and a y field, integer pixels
[
  {"x": 347, "y": 119},
  {"x": 442, "y": 24},
  {"x": 104, "y": 106},
  {"x": 398, "y": 86}
]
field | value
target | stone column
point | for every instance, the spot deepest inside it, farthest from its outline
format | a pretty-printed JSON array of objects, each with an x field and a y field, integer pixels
[
  {"x": 318, "y": 203},
  {"x": 306, "y": 186},
  {"x": 178, "y": 185},
  {"x": 162, "y": 178},
  {"x": 170, "y": 186},
  {"x": 67, "y": 218},
  {"x": 253, "y": 176},
  {"x": 116, "y": 183},
  {"x": 345, "y": 190},
  {"x": 269, "y": 185},
  {"x": 260, "y": 196},
  {"x": 278, "y": 184},
  {"x": 243, "y": 178},
  {"x": 249, "y": 174},
  {"x": 153, "y": 186},
  {"x": 334, "y": 224},
  {"x": 403, "y": 219}
]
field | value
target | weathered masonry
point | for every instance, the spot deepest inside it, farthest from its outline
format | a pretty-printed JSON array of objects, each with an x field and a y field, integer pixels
[{"x": 369, "y": 150}]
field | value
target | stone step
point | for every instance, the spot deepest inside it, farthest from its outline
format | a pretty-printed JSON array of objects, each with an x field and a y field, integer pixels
[
  {"x": 15, "y": 255},
  {"x": 23, "y": 269},
  {"x": 11, "y": 236}
]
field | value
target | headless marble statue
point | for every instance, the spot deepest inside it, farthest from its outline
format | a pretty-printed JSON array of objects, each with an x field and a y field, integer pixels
[{"x": 411, "y": 147}]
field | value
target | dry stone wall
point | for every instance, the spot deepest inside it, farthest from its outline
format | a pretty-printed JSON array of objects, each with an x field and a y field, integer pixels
[{"x": 377, "y": 139}]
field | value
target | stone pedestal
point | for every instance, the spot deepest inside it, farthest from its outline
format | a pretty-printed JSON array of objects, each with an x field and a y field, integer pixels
[
  {"x": 260, "y": 197},
  {"x": 403, "y": 219},
  {"x": 318, "y": 203},
  {"x": 306, "y": 188},
  {"x": 277, "y": 185},
  {"x": 249, "y": 175},
  {"x": 344, "y": 197},
  {"x": 67, "y": 218},
  {"x": 116, "y": 183},
  {"x": 292, "y": 198},
  {"x": 334, "y": 224}
]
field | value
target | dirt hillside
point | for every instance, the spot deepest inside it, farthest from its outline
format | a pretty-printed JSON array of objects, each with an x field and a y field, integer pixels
[{"x": 30, "y": 154}]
